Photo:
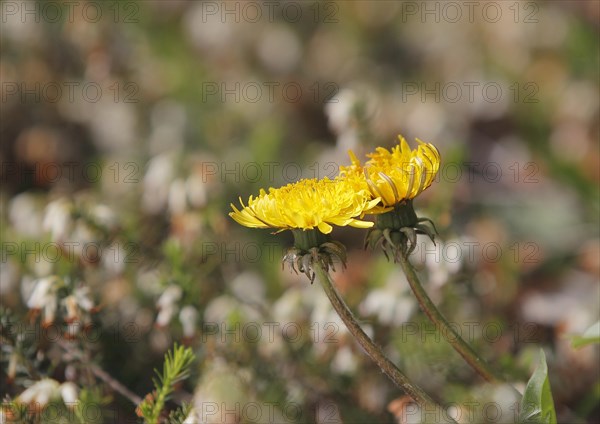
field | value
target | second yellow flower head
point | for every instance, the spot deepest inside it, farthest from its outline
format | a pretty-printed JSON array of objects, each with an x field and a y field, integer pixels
[{"x": 397, "y": 175}]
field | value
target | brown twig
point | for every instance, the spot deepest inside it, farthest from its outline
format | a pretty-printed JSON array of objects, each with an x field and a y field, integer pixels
[{"x": 114, "y": 384}]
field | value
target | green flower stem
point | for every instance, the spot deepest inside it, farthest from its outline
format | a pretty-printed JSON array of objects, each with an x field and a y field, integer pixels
[
  {"x": 443, "y": 326},
  {"x": 374, "y": 351},
  {"x": 307, "y": 239}
]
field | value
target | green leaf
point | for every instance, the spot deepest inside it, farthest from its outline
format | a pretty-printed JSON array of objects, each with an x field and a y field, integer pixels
[
  {"x": 537, "y": 406},
  {"x": 179, "y": 415},
  {"x": 176, "y": 367},
  {"x": 591, "y": 335}
]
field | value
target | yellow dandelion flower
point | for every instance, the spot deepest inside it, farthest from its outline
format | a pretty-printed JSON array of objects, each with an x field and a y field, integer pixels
[
  {"x": 307, "y": 205},
  {"x": 354, "y": 173},
  {"x": 397, "y": 175}
]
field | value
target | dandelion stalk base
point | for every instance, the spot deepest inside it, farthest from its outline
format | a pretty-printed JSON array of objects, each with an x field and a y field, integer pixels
[
  {"x": 442, "y": 325},
  {"x": 374, "y": 351}
]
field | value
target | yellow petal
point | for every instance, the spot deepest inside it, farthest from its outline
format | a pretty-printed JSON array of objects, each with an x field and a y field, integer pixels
[
  {"x": 361, "y": 224},
  {"x": 324, "y": 227}
]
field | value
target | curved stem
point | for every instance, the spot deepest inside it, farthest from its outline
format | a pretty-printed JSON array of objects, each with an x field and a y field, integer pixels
[
  {"x": 374, "y": 351},
  {"x": 451, "y": 336}
]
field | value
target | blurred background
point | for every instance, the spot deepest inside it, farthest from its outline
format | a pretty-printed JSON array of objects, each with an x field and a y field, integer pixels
[{"x": 128, "y": 128}]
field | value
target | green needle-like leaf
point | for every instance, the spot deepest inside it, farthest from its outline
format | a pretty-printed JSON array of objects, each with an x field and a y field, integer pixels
[{"x": 175, "y": 369}]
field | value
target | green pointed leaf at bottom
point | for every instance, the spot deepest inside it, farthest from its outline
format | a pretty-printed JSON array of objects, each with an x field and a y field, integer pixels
[{"x": 537, "y": 405}]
